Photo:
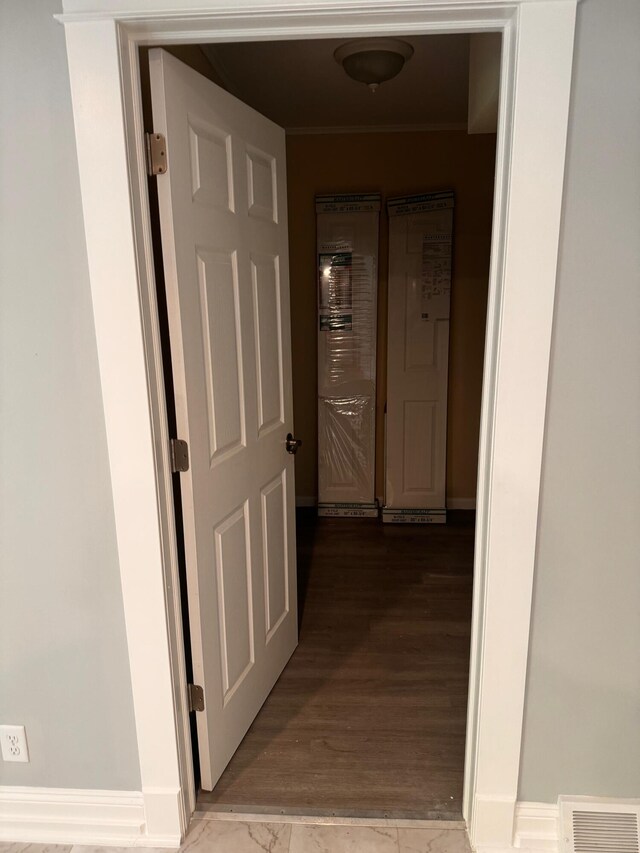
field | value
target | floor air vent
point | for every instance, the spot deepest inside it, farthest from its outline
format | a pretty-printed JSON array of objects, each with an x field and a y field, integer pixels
[{"x": 590, "y": 825}]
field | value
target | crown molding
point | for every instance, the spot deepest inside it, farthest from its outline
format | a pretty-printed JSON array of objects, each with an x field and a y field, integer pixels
[{"x": 122, "y": 10}]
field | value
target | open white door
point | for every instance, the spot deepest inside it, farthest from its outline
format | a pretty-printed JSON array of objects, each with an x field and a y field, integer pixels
[{"x": 224, "y": 240}]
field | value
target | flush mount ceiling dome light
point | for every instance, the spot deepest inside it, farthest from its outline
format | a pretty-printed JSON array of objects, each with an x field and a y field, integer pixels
[{"x": 373, "y": 61}]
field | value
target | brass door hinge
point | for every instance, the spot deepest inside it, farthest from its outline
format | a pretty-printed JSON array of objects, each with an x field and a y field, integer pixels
[
  {"x": 196, "y": 697},
  {"x": 179, "y": 455},
  {"x": 156, "y": 154}
]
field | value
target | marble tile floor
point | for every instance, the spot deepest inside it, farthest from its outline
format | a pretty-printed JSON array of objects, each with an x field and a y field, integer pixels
[{"x": 243, "y": 836}]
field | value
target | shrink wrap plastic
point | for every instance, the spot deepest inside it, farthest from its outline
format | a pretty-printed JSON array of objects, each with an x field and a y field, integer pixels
[
  {"x": 419, "y": 287},
  {"x": 347, "y": 316},
  {"x": 346, "y": 424}
]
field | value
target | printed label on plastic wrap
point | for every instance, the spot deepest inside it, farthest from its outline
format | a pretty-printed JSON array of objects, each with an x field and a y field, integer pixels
[
  {"x": 421, "y": 203},
  {"x": 336, "y": 322},
  {"x": 348, "y": 510},
  {"x": 348, "y": 203},
  {"x": 335, "y": 287},
  {"x": 435, "y": 276},
  {"x": 414, "y": 516}
]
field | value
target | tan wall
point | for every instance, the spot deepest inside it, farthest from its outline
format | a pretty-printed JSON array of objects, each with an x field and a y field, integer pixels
[{"x": 395, "y": 163}]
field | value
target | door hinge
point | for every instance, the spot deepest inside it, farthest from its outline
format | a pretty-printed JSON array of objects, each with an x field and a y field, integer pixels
[
  {"x": 179, "y": 455},
  {"x": 196, "y": 697},
  {"x": 156, "y": 154}
]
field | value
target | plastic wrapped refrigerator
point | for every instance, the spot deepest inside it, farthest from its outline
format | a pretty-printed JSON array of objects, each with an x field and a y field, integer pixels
[{"x": 347, "y": 255}]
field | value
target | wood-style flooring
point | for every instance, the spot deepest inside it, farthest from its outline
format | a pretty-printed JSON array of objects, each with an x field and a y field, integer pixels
[{"x": 368, "y": 717}]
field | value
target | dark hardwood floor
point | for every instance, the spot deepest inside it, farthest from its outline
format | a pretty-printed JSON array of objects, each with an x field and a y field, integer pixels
[{"x": 368, "y": 718}]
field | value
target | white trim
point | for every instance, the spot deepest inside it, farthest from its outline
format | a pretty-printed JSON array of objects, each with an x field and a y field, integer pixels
[
  {"x": 538, "y": 51},
  {"x": 75, "y": 11},
  {"x": 532, "y": 132},
  {"x": 71, "y": 816},
  {"x": 158, "y": 410},
  {"x": 117, "y": 818},
  {"x": 127, "y": 324},
  {"x": 537, "y": 827},
  {"x": 493, "y": 823},
  {"x": 374, "y": 128},
  {"x": 461, "y": 503},
  {"x": 534, "y": 826}
]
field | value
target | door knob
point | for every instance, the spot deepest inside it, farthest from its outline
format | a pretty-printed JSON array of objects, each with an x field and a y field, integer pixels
[{"x": 292, "y": 444}]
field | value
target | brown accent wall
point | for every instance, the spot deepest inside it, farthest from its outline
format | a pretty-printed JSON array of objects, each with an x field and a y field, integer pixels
[{"x": 393, "y": 164}]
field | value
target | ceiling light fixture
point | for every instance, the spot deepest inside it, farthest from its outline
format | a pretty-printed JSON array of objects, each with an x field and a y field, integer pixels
[{"x": 373, "y": 61}]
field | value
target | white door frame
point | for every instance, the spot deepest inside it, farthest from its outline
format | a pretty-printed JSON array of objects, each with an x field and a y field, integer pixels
[{"x": 102, "y": 40}]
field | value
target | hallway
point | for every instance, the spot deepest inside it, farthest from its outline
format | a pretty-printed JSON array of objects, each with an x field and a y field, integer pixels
[{"x": 369, "y": 716}]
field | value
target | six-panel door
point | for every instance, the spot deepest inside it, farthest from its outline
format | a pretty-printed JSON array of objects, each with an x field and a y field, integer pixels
[{"x": 224, "y": 239}]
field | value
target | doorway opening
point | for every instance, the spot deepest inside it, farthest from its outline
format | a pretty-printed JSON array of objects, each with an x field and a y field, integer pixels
[
  {"x": 531, "y": 140},
  {"x": 368, "y": 717}
]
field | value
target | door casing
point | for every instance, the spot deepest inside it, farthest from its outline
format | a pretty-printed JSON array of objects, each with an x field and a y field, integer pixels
[{"x": 102, "y": 46}]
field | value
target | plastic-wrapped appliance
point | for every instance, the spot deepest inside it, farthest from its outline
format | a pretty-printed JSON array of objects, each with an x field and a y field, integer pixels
[
  {"x": 420, "y": 243},
  {"x": 347, "y": 254}
]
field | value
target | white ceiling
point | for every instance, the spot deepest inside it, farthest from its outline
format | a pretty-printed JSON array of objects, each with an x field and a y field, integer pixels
[{"x": 299, "y": 85}]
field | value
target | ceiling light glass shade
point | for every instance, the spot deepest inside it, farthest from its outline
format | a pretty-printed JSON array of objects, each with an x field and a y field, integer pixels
[{"x": 373, "y": 61}]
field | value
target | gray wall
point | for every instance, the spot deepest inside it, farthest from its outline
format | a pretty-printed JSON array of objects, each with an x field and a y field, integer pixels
[
  {"x": 64, "y": 672},
  {"x": 582, "y": 725}
]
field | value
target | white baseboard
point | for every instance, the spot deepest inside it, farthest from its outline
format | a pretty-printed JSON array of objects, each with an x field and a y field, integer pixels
[
  {"x": 461, "y": 503},
  {"x": 74, "y": 816},
  {"x": 153, "y": 818},
  {"x": 165, "y": 819},
  {"x": 491, "y": 829},
  {"x": 501, "y": 826},
  {"x": 536, "y": 827},
  {"x": 306, "y": 501}
]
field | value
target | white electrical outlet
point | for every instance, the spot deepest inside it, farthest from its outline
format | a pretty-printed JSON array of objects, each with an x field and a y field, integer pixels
[{"x": 13, "y": 741}]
